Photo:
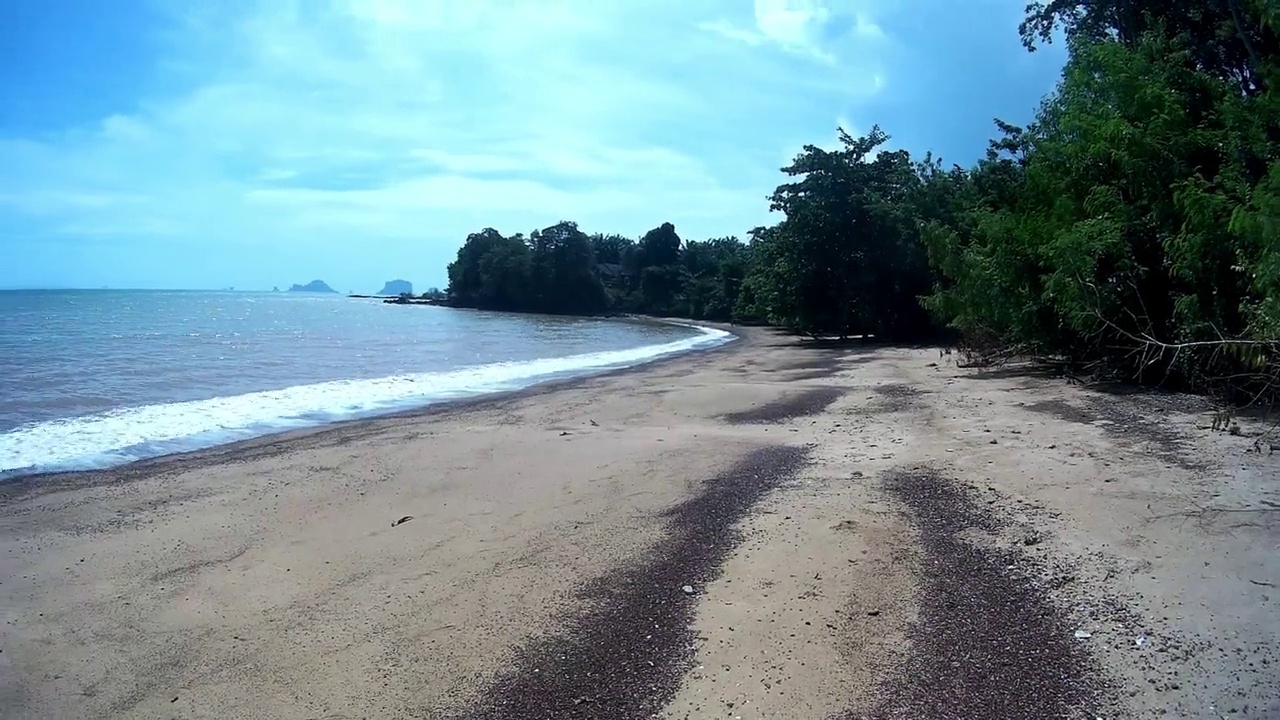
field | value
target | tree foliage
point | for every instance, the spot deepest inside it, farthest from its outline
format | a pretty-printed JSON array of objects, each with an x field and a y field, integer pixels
[
  {"x": 562, "y": 270},
  {"x": 1133, "y": 227},
  {"x": 847, "y": 259}
]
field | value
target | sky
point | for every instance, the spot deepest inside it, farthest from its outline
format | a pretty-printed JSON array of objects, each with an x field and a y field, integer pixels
[{"x": 260, "y": 143}]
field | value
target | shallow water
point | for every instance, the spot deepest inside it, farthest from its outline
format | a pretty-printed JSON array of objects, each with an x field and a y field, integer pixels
[{"x": 96, "y": 378}]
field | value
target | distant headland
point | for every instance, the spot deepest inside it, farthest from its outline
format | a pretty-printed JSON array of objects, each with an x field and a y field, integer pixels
[
  {"x": 315, "y": 286},
  {"x": 397, "y": 287}
]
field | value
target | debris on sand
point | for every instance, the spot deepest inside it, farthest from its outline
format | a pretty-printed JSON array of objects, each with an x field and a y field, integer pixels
[
  {"x": 631, "y": 649},
  {"x": 988, "y": 643}
]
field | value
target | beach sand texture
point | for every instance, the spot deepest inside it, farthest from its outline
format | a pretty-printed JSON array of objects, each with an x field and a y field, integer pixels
[{"x": 767, "y": 530}]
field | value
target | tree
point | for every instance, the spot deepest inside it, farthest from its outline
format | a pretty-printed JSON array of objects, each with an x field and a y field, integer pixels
[
  {"x": 1227, "y": 39},
  {"x": 565, "y": 277},
  {"x": 1117, "y": 231},
  {"x": 713, "y": 271},
  {"x": 490, "y": 272},
  {"x": 660, "y": 246},
  {"x": 847, "y": 259},
  {"x": 610, "y": 249}
]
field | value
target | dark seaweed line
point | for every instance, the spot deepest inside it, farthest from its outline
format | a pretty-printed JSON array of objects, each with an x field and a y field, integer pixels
[
  {"x": 623, "y": 657},
  {"x": 988, "y": 643},
  {"x": 802, "y": 404}
]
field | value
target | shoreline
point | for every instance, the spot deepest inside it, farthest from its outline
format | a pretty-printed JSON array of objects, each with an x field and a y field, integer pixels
[
  {"x": 863, "y": 531},
  {"x": 17, "y": 483}
]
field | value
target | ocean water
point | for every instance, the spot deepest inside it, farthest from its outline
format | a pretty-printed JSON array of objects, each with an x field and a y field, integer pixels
[{"x": 91, "y": 379}]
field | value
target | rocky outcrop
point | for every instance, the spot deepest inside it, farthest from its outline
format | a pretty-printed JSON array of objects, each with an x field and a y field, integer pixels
[
  {"x": 315, "y": 286},
  {"x": 397, "y": 287}
]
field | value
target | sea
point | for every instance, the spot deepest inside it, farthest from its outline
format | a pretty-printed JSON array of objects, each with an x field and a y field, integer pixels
[{"x": 97, "y": 378}]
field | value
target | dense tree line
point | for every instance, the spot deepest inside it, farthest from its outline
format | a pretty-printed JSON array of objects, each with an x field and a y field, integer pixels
[
  {"x": 1132, "y": 228},
  {"x": 562, "y": 269}
]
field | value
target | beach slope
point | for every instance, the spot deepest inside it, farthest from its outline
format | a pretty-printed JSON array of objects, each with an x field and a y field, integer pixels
[{"x": 768, "y": 530}]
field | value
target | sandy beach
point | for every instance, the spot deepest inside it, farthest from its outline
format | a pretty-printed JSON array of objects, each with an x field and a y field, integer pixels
[{"x": 767, "y": 530}]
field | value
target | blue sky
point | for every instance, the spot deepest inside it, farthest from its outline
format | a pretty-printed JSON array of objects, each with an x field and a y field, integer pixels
[{"x": 259, "y": 143}]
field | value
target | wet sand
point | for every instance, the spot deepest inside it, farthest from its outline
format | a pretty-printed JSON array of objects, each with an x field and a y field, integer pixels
[{"x": 764, "y": 531}]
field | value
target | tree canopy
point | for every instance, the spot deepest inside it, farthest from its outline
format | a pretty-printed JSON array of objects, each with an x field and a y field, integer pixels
[
  {"x": 1130, "y": 227},
  {"x": 563, "y": 270}
]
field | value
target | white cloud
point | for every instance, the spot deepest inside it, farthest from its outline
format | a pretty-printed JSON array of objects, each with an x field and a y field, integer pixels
[
  {"x": 122, "y": 127},
  {"x": 790, "y": 22},
  {"x": 727, "y": 29},
  {"x": 302, "y": 122},
  {"x": 821, "y": 30}
]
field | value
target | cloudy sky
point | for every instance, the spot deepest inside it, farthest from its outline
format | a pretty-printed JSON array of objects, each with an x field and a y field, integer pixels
[{"x": 152, "y": 143}]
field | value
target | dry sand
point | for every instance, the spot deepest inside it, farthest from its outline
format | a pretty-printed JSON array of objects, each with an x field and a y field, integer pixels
[{"x": 866, "y": 533}]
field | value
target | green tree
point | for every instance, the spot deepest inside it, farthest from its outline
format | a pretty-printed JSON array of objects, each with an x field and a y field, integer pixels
[
  {"x": 1104, "y": 232},
  {"x": 1228, "y": 39},
  {"x": 660, "y": 246},
  {"x": 611, "y": 249},
  {"x": 713, "y": 271},
  {"x": 657, "y": 260},
  {"x": 490, "y": 272},
  {"x": 564, "y": 273},
  {"x": 847, "y": 259}
]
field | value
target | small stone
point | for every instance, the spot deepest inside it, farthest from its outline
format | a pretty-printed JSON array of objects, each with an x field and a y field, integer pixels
[{"x": 687, "y": 589}]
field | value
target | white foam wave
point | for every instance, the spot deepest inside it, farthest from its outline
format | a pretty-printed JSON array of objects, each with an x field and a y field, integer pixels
[{"x": 128, "y": 434}]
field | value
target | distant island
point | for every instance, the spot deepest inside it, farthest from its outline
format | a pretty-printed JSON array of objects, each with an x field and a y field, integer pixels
[
  {"x": 315, "y": 286},
  {"x": 397, "y": 287}
]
